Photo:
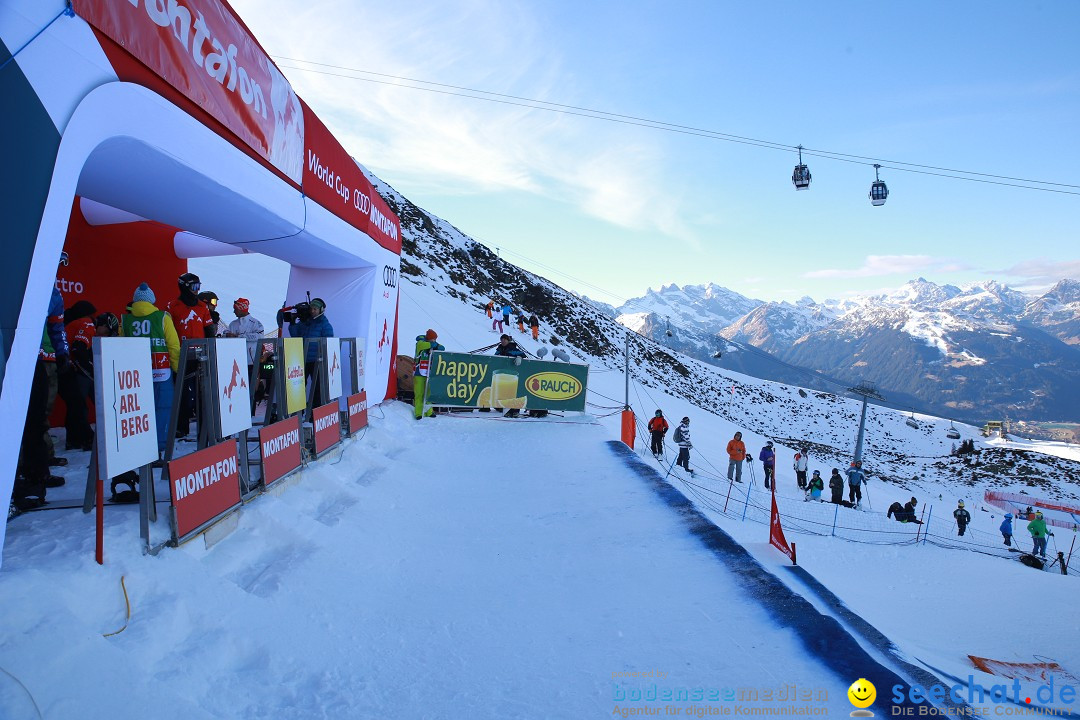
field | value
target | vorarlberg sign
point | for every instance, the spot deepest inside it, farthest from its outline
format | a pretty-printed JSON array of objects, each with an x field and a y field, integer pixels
[
  {"x": 124, "y": 405},
  {"x": 483, "y": 381}
]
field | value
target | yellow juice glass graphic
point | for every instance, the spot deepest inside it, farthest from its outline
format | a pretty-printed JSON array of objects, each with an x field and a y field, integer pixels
[{"x": 504, "y": 386}]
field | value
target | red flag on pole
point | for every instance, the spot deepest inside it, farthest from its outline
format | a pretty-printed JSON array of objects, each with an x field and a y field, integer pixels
[{"x": 776, "y": 534}]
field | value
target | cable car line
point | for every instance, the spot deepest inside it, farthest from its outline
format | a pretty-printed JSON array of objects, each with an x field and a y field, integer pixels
[{"x": 676, "y": 128}]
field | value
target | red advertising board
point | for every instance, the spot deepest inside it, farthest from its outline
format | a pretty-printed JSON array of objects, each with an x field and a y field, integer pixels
[
  {"x": 200, "y": 48},
  {"x": 204, "y": 485},
  {"x": 327, "y": 419},
  {"x": 279, "y": 446},
  {"x": 357, "y": 411},
  {"x": 334, "y": 180},
  {"x": 776, "y": 532}
]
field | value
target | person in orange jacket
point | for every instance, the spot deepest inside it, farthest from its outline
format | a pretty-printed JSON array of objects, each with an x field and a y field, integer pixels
[
  {"x": 658, "y": 426},
  {"x": 736, "y": 451},
  {"x": 489, "y": 308},
  {"x": 534, "y": 325}
]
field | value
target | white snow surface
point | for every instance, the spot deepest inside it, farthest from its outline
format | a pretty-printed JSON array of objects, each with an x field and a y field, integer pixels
[{"x": 473, "y": 567}]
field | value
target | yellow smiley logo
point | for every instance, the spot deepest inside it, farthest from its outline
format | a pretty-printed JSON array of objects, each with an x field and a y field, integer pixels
[{"x": 862, "y": 693}]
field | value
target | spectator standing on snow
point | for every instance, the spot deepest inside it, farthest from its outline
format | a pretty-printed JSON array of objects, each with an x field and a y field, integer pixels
[
  {"x": 521, "y": 320},
  {"x": 836, "y": 484},
  {"x": 681, "y": 436},
  {"x": 658, "y": 426},
  {"x": 425, "y": 345},
  {"x": 489, "y": 307},
  {"x": 855, "y": 480},
  {"x": 1039, "y": 533},
  {"x": 767, "y": 456},
  {"x": 76, "y": 386},
  {"x": 246, "y": 326},
  {"x": 1006, "y": 529},
  {"x": 801, "y": 462},
  {"x": 736, "y": 450},
  {"x": 963, "y": 517},
  {"x": 534, "y": 325},
  {"x": 815, "y": 486},
  {"x": 506, "y": 310},
  {"x": 191, "y": 321},
  {"x": 145, "y": 320}
]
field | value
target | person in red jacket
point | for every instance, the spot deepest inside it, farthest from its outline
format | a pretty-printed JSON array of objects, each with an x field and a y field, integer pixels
[
  {"x": 192, "y": 321},
  {"x": 658, "y": 426}
]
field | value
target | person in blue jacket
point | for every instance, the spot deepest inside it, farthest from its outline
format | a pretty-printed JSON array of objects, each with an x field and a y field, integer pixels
[
  {"x": 308, "y": 321},
  {"x": 1007, "y": 529}
]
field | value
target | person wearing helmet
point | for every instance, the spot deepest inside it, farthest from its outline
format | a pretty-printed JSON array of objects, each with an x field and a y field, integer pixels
[
  {"x": 658, "y": 426},
  {"x": 78, "y": 386},
  {"x": 192, "y": 321},
  {"x": 1039, "y": 533},
  {"x": 767, "y": 456},
  {"x": 856, "y": 478},
  {"x": 1006, "y": 529},
  {"x": 681, "y": 436},
  {"x": 963, "y": 517},
  {"x": 425, "y": 345},
  {"x": 107, "y": 325},
  {"x": 210, "y": 299},
  {"x": 814, "y": 487},
  {"x": 736, "y": 452}
]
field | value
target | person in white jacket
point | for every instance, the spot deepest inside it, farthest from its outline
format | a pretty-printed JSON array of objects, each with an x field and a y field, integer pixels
[
  {"x": 246, "y": 326},
  {"x": 801, "y": 462}
]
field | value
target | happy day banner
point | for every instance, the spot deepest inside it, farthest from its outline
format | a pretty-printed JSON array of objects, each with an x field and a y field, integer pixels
[{"x": 484, "y": 381}]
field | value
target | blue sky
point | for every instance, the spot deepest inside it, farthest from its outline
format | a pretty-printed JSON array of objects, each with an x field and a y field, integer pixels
[{"x": 991, "y": 87}]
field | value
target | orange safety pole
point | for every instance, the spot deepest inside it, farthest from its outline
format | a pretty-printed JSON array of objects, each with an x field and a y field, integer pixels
[{"x": 628, "y": 428}]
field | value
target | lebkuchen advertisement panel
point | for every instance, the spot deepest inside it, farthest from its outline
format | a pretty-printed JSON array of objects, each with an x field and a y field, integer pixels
[
  {"x": 295, "y": 380},
  {"x": 204, "y": 485},
  {"x": 279, "y": 447},
  {"x": 124, "y": 403},
  {"x": 486, "y": 381}
]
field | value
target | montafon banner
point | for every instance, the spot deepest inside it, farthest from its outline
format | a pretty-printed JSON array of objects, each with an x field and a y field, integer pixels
[{"x": 485, "y": 381}]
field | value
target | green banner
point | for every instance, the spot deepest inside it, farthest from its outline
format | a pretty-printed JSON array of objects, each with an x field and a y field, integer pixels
[{"x": 479, "y": 381}]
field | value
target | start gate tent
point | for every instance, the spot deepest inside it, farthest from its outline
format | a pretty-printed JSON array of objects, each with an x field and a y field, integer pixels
[{"x": 158, "y": 132}]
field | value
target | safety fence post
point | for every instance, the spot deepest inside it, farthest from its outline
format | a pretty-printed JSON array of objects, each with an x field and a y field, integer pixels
[
  {"x": 836, "y": 512},
  {"x": 927, "y": 531}
]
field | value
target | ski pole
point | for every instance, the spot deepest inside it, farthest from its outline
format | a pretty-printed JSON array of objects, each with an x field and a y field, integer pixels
[{"x": 866, "y": 489}]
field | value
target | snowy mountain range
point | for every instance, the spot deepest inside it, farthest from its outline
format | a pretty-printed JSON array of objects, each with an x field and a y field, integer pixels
[{"x": 985, "y": 351}]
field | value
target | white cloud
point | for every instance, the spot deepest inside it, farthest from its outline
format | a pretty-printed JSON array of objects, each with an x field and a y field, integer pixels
[
  {"x": 878, "y": 265},
  {"x": 438, "y": 143},
  {"x": 1041, "y": 273}
]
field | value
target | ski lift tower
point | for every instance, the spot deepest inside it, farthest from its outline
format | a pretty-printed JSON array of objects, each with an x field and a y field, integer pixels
[{"x": 865, "y": 390}]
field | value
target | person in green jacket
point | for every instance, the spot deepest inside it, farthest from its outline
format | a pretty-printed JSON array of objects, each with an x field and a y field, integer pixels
[
  {"x": 815, "y": 486},
  {"x": 1037, "y": 528},
  {"x": 425, "y": 345}
]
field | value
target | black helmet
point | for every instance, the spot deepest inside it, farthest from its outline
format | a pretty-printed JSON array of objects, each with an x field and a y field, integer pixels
[
  {"x": 190, "y": 282},
  {"x": 109, "y": 320},
  {"x": 659, "y": 413},
  {"x": 210, "y": 298}
]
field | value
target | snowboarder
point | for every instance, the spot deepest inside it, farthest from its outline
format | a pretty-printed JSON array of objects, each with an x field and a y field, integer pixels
[
  {"x": 658, "y": 426},
  {"x": 77, "y": 385},
  {"x": 904, "y": 513},
  {"x": 1039, "y": 533},
  {"x": 815, "y": 486},
  {"x": 767, "y": 456},
  {"x": 145, "y": 320},
  {"x": 963, "y": 517},
  {"x": 836, "y": 484},
  {"x": 425, "y": 345},
  {"x": 801, "y": 461},
  {"x": 855, "y": 480},
  {"x": 1007, "y": 529},
  {"x": 682, "y": 439},
  {"x": 736, "y": 450}
]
